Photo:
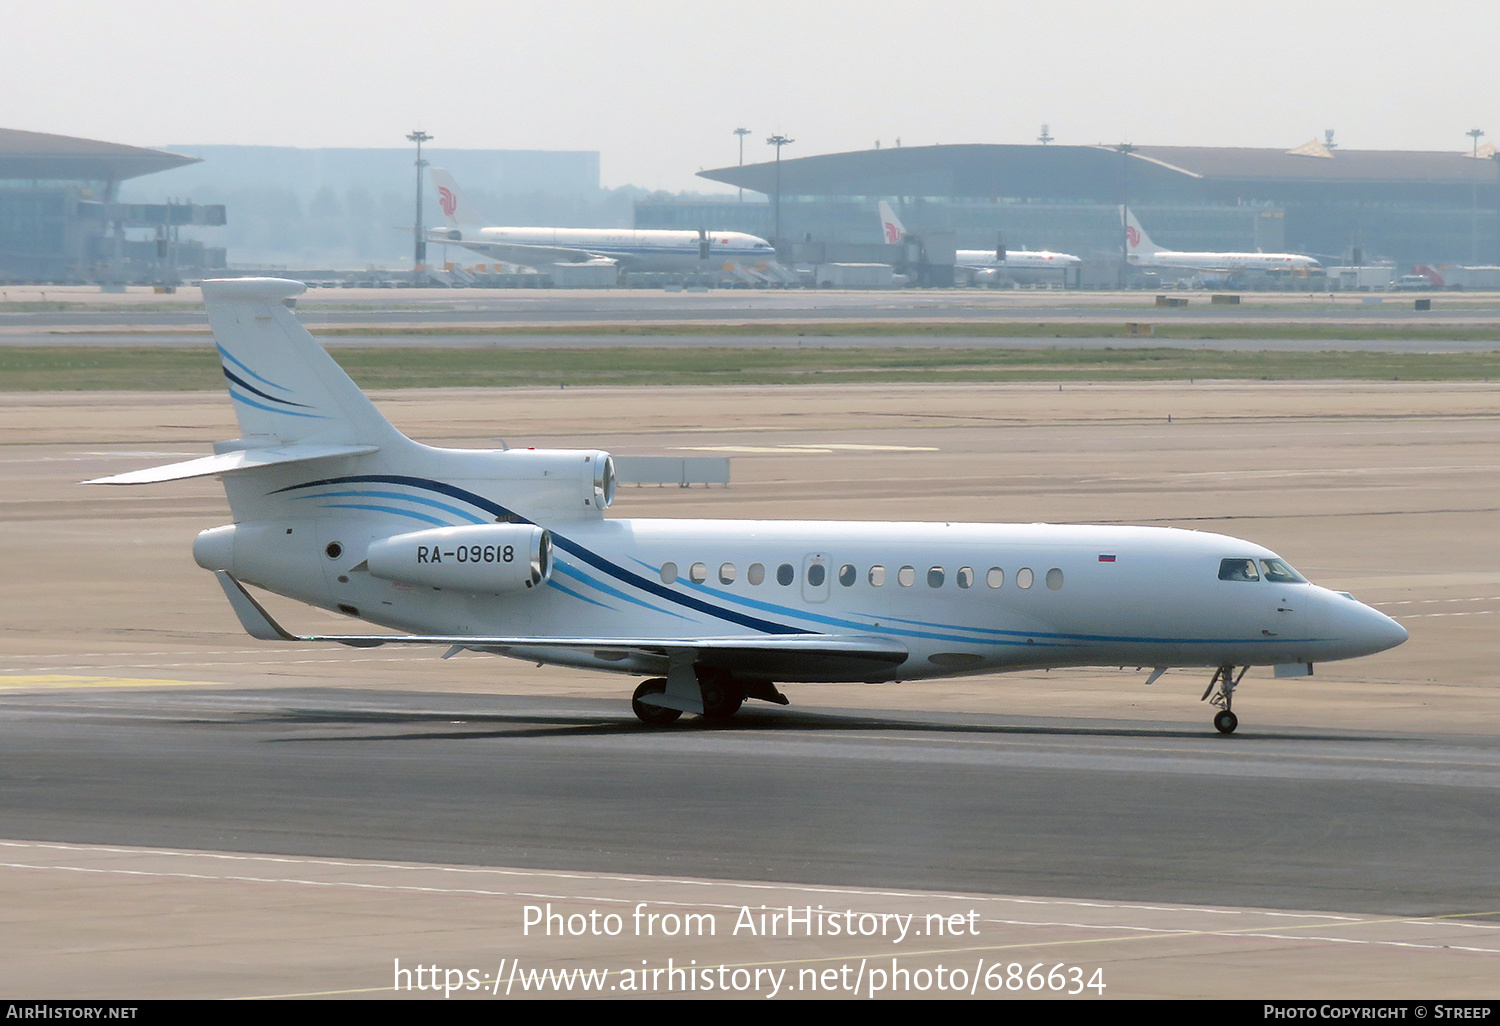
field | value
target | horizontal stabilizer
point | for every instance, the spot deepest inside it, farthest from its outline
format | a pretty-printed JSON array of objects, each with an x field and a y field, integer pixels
[
  {"x": 771, "y": 655},
  {"x": 235, "y": 462}
]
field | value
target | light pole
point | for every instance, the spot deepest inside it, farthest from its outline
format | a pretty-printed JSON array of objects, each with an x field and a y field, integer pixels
[
  {"x": 1495, "y": 159},
  {"x": 742, "y": 132},
  {"x": 420, "y": 256},
  {"x": 1474, "y": 133},
  {"x": 1125, "y": 150},
  {"x": 778, "y": 141}
]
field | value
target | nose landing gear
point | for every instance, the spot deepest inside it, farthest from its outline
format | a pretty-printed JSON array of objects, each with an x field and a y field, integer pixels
[{"x": 1220, "y": 692}]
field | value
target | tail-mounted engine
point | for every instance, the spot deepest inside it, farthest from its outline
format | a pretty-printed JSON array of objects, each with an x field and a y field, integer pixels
[{"x": 489, "y": 558}]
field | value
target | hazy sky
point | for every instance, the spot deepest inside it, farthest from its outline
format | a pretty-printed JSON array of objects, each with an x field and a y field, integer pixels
[{"x": 658, "y": 87}]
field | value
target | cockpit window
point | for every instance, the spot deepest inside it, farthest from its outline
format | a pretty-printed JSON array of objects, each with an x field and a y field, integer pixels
[
  {"x": 1238, "y": 570},
  {"x": 1277, "y": 572}
]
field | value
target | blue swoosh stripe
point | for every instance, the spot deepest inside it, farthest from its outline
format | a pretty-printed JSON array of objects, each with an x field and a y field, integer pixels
[
  {"x": 420, "y": 499},
  {"x": 423, "y": 517},
  {"x": 594, "y": 582},
  {"x": 868, "y": 627},
  {"x": 232, "y": 376},
  {"x": 231, "y": 358},
  {"x": 567, "y": 545},
  {"x": 553, "y": 583},
  {"x": 272, "y": 409}
]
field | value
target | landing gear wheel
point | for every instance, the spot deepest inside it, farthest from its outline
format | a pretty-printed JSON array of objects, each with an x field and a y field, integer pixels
[
  {"x": 722, "y": 698},
  {"x": 653, "y": 715},
  {"x": 1220, "y": 692}
]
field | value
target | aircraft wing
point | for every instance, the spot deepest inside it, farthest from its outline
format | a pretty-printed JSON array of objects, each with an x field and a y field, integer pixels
[
  {"x": 522, "y": 253},
  {"x": 783, "y": 657}
]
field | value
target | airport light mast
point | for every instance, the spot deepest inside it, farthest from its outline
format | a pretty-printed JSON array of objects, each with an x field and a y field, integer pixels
[
  {"x": 1474, "y": 133},
  {"x": 742, "y": 132},
  {"x": 778, "y": 141},
  {"x": 1125, "y": 150},
  {"x": 420, "y": 256}
]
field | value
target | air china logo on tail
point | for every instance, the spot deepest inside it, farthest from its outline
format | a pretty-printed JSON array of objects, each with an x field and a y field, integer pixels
[
  {"x": 1132, "y": 235},
  {"x": 447, "y": 200},
  {"x": 892, "y": 233}
]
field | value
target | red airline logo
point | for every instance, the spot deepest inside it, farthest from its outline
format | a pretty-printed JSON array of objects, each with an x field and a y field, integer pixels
[{"x": 447, "y": 200}]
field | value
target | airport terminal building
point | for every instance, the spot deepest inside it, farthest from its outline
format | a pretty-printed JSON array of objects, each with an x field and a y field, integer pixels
[
  {"x": 1339, "y": 205},
  {"x": 61, "y": 221}
]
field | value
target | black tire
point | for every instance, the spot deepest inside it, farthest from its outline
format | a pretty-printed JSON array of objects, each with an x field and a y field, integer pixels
[
  {"x": 722, "y": 698},
  {"x": 1225, "y": 722},
  {"x": 652, "y": 715}
]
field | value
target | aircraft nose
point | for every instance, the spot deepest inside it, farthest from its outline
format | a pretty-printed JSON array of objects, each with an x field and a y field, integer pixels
[{"x": 1378, "y": 631}]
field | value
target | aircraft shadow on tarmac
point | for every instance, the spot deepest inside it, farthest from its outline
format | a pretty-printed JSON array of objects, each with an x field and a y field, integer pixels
[{"x": 468, "y": 726}]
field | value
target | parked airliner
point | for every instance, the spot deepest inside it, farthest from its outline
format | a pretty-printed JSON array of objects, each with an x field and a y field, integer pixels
[
  {"x": 632, "y": 249},
  {"x": 508, "y": 551},
  {"x": 1142, "y": 252},
  {"x": 984, "y": 266}
]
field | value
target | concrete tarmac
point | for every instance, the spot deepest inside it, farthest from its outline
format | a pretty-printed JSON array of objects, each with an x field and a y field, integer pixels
[{"x": 192, "y": 813}]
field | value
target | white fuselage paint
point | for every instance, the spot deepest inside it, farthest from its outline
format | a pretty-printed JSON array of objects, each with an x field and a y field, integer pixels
[
  {"x": 1025, "y": 266},
  {"x": 335, "y": 507},
  {"x": 635, "y": 249},
  {"x": 1158, "y": 602},
  {"x": 1225, "y": 262}
]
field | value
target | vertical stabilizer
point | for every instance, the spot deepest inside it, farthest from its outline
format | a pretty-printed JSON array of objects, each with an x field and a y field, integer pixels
[
  {"x": 1138, "y": 245},
  {"x": 891, "y": 229},
  {"x": 453, "y": 203},
  {"x": 285, "y": 388}
]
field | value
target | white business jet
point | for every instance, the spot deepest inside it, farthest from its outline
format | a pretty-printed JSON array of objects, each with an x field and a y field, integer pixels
[
  {"x": 508, "y": 551},
  {"x": 645, "y": 249},
  {"x": 1140, "y": 251},
  {"x": 985, "y": 266}
]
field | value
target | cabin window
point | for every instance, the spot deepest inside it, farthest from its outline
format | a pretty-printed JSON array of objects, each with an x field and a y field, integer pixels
[
  {"x": 965, "y": 577},
  {"x": 848, "y": 575},
  {"x": 1278, "y": 572},
  {"x": 668, "y": 573},
  {"x": 1054, "y": 579},
  {"x": 995, "y": 578},
  {"x": 877, "y": 575},
  {"x": 906, "y": 576},
  {"x": 817, "y": 573},
  {"x": 755, "y": 573},
  {"x": 726, "y": 573},
  {"x": 1238, "y": 570},
  {"x": 785, "y": 575},
  {"x": 935, "y": 577},
  {"x": 1024, "y": 578},
  {"x": 698, "y": 573}
]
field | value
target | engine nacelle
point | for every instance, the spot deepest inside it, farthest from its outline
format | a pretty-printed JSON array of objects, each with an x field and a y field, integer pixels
[{"x": 487, "y": 558}]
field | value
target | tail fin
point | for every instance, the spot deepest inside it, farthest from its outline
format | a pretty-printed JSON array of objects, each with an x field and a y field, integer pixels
[
  {"x": 891, "y": 228},
  {"x": 454, "y": 204},
  {"x": 1138, "y": 244},
  {"x": 286, "y": 389}
]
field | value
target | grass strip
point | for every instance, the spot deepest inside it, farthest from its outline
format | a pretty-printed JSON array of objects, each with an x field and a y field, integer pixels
[{"x": 46, "y": 368}]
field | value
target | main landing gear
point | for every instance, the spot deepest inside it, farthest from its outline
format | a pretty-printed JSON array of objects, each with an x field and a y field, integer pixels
[
  {"x": 1220, "y": 692},
  {"x": 714, "y": 695},
  {"x": 652, "y": 715}
]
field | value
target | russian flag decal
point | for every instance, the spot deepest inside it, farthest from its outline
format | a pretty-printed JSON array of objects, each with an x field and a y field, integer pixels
[{"x": 1106, "y": 559}]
